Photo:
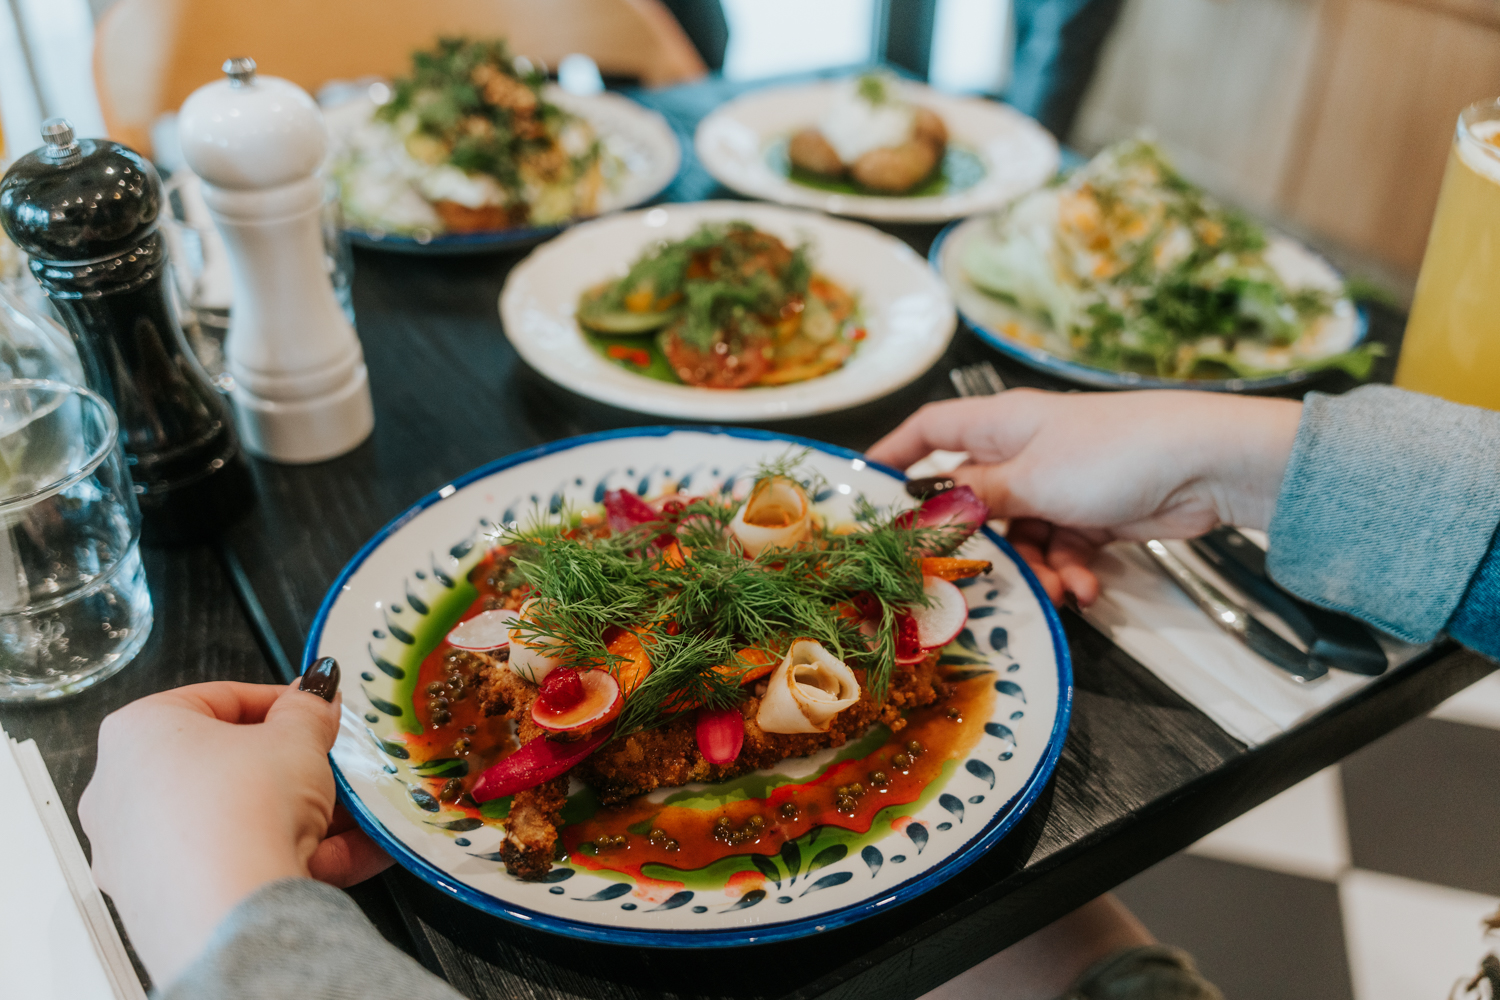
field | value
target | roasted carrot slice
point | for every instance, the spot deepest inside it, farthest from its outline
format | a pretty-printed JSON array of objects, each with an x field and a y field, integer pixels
[
  {"x": 949, "y": 568},
  {"x": 636, "y": 665},
  {"x": 752, "y": 666}
]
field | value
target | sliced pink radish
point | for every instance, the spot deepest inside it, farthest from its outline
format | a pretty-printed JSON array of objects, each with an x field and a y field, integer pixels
[
  {"x": 598, "y": 702},
  {"x": 943, "y": 618},
  {"x": 721, "y": 734},
  {"x": 959, "y": 507},
  {"x": 486, "y": 630}
]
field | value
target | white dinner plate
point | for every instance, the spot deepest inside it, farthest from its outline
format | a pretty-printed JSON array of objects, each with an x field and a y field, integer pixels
[
  {"x": 639, "y": 138},
  {"x": 740, "y": 144},
  {"x": 407, "y": 587},
  {"x": 908, "y": 315}
]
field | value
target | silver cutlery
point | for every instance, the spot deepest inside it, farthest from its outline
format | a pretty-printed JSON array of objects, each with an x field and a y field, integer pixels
[{"x": 979, "y": 379}]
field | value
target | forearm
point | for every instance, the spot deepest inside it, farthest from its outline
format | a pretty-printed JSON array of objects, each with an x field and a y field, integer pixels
[
  {"x": 297, "y": 939},
  {"x": 1388, "y": 507}
]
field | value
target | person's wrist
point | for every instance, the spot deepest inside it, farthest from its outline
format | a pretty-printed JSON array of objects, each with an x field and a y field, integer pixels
[{"x": 1244, "y": 457}]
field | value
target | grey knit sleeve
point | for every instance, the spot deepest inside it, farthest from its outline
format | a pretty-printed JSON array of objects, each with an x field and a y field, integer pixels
[
  {"x": 297, "y": 939},
  {"x": 1389, "y": 504}
]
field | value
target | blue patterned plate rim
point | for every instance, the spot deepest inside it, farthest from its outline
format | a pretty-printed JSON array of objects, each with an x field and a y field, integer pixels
[
  {"x": 1104, "y": 378},
  {"x": 963, "y": 857}
]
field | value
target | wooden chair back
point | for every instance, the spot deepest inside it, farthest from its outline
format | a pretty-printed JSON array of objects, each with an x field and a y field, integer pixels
[{"x": 149, "y": 55}]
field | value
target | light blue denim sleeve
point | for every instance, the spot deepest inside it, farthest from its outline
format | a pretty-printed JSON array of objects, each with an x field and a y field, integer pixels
[
  {"x": 297, "y": 939},
  {"x": 1388, "y": 509}
]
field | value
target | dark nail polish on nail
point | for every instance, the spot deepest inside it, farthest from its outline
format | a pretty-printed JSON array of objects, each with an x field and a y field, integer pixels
[
  {"x": 322, "y": 679},
  {"x": 929, "y": 486}
]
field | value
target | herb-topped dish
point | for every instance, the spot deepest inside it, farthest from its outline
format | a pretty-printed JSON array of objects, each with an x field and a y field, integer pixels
[
  {"x": 474, "y": 145},
  {"x": 727, "y": 311},
  {"x": 730, "y": 306},
  {"x": 696, "y": 699},
  {"x": 1127, "y": 268}
]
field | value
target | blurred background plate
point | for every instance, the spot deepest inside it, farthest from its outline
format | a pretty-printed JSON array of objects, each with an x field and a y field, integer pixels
[
  {"x": 641, "y": 138},
  {"x": 1024, "y": 338},
  {"x": 908, "y": 317},
  {"x": 742, "y": 144}
]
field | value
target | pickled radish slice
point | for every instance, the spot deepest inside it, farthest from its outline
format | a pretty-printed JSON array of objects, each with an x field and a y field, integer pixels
[
  {"x": 599, "y": 702},
  {"x": 486, "y": 630},
  {"x": 527, "y": 661},
  {"x": 943, "y": 618}
]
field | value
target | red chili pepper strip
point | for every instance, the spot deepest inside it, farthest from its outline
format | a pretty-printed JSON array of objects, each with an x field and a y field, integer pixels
[
  {"x": 538, "y": 761},
  {"x": 721, "y": 734},
  {"x": 625, "y": 510},
  {"x": 641, "y": 359},
  {"x": 618, "y": 351}
]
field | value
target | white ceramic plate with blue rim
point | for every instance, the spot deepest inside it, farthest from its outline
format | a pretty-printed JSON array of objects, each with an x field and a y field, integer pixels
[
  {"x": 400, "y": 594},
  {"x": 1024, "y": 338},
  {"x": 908, "y": 316}
]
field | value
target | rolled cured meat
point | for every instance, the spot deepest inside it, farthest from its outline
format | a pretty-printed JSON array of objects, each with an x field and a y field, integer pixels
[
  {"x": 526, "y": 658},
  {"x": 776, "y": 515},
  {"x": 806, "y": 691}
]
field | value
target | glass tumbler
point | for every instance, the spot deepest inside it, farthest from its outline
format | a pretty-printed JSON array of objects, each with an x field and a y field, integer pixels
[{"x": 74, "y": 607}]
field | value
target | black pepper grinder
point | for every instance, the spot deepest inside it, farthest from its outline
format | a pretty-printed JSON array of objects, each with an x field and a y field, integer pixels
[{"x": 86, "y": 212}]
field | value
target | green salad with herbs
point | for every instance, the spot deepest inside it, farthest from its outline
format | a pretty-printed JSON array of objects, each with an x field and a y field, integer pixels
[{"x": 1130, "y": 267}]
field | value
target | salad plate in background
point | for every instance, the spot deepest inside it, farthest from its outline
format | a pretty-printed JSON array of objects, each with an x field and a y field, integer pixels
[
  {"x": 476, "y": 151},
  {"x": 900, "y": 322},
  {"x": 1125, "y": 275},
  {"x": 386, "y": 618},
  {"x": 990, "y": 153}
]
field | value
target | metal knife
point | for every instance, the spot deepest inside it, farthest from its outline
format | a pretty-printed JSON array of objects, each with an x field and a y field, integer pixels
[
  {"x": 1234, "y": 619},
  {"x": 1332, "y": 639}
]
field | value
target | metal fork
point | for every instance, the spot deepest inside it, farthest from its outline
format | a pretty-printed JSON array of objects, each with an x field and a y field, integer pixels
[{"x": 979, "y": 379}]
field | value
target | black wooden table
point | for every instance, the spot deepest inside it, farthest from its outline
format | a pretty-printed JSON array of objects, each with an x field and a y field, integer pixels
[{"x": 1143, "y": 774}]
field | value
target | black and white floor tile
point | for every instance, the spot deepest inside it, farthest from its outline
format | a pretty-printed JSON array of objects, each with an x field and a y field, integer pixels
[{"x": 1368, "y": 881}]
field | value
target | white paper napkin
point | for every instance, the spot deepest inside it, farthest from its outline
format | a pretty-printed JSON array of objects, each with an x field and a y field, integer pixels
[
  {"x": 56, "y": 935},
  {"x": 1146, "y": 614}
]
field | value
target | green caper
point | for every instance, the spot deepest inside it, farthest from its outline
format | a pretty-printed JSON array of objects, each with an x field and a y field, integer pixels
[{"x": 901, "y": 760}]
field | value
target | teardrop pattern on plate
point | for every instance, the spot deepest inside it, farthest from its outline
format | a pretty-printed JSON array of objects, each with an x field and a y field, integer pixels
[
  {"x": 555, "y": 875},
  {"x": 1011, "y": 688},
  {"x": 828, "y": 882},
  {"x": 606, "y": 894},
  {"x": 792, "y": 858},
  {"x": 873, "y": 858},
  {"x": 673, "y": 901},
  {"x": 1000, "y": 640},
  {"x": 459, "y": 825},
  {"x": 953, "y": 804},
  {"x": 767, "y": 867},
  {"x": 381, "y": 705},
  {"x": 748, "y": 900},
  {"x": 423, "y": 798},
  {"x": 830, "y": 855},
  {"x": 385, "y": 666},
  {"x": 395, "y": 750},
  {"x": 918, "y": 834},
  {"x": 980, "y": 770},
  {"x": 1001, "y": 731}
]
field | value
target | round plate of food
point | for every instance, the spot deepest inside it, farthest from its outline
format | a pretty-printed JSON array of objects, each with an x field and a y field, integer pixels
[
  {"x": 681, "y": 687},
  {"x": 475, "y": 151},
  {"x": 876, "y": 147},
  {"x": 727, "y": 311},
  {"x": 1126, "y": 276}
]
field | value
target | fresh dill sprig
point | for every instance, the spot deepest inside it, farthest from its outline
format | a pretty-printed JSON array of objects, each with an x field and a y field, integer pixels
[{"x": 697, "y": 604}]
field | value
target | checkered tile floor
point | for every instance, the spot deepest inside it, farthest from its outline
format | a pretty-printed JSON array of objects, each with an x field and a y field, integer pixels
[{"x": 1367, "y": 881}]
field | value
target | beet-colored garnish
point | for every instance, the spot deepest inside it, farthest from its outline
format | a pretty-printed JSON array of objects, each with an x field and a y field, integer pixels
[
  {"x": 908, "y": 642},
  {"x": 561, "y": 690},
  {"x": 867, "y": 604},
  {"x": 625, "y": 510},
  {"x": 721, "y": 734},
  {"x": 958, "y": 508}
]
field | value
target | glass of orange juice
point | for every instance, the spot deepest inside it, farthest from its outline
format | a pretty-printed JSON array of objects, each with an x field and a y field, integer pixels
[{"x": 1452, "y": 343}]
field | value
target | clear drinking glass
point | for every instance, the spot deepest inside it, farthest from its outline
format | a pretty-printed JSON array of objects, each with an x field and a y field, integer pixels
[{"x": 74, "y": 607}]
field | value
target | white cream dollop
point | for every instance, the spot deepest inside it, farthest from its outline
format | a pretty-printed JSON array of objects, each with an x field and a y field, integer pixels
[
  {"x": 526, "y": 659},
  {"x": 776, "y": 515},
  {"x": 854, "y": 125},
  {"x": 806, "y": 691}
]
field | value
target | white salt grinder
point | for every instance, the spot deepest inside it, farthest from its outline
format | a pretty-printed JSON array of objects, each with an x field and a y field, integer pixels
[{"x": 301, "y": 392}]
